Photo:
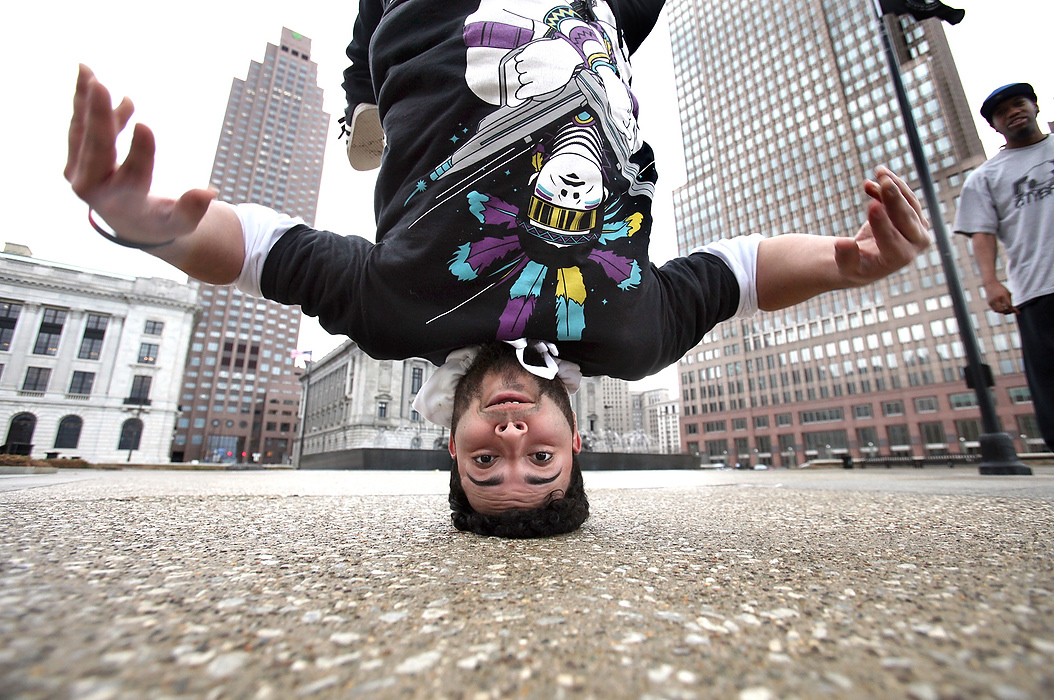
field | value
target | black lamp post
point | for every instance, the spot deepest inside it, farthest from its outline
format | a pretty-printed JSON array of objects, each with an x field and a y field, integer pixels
[{"x": 997, "y": 449}]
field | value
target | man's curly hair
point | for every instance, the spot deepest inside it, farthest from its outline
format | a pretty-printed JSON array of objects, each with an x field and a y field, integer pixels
[{"x": 562, "y": 512}]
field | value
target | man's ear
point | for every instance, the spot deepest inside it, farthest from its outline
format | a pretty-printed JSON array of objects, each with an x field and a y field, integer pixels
[
  {"x": 576, "y": 439},
  {"x": 451, "y": 448}
]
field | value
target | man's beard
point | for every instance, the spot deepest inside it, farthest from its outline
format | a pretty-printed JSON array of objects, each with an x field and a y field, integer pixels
[{"x": 500, "y": 358}]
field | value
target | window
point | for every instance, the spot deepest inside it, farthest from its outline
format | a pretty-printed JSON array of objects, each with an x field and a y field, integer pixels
[
  {"x": 382, "y": 409},
  {"x": 69, "y": 433},
  {"x": 1028, "y": 427},
  {"x": 50, "y": 332},
  {"x": 153, "y": 327},
  {"x": 892, "y": 408},
  {"x": 898, "y": 435},
  {"x": 932, "y": 433},
  {"x": 131, "y": 431},
  {"x": 822, "y": 415},
  {"x": 783, "y": 419},
  {"x": 761, "y": 421},
  {"x": 964, "y": 400},
  {"x": 81, "y": 383},
  {"x": 8, "y": 319},
  {"x": 91, "y": 343},
  {"x": 968, "y": 429},
  {"x": 717, "y": 450},
  {"x": 36, "y": 379},
  {"x": 140, "y": 393},
  {"x": 926, "y": 404},
  {"x": 147, "y": 354},
  {"x": 739, "y": 424},
  {"x": 867, "y": 439},
  {"x": 822, "y": 443},
  {"x": 863, "y": 411},
  {"x": 1020, "y": 394},
  {"x": 416, "y": 379}
]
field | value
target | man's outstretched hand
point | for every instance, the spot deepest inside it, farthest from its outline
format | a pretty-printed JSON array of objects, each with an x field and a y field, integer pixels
[
  {"x": 794, "y": 267},
  {"x": 120, "y": 192},
  {"x": 895, "y": 233}
]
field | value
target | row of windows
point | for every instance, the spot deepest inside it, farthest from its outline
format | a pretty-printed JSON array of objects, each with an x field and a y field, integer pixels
[
  {"x": 931, "y": 435},
  {"x": 851, "y": 388},
  {"x": 865, "y": 347},
  {"x": 67, "y": 437},
  {"x": 924, "y": 404},
  {"x": 52, "y": 324},
  {"x": 37, "y": 379}
]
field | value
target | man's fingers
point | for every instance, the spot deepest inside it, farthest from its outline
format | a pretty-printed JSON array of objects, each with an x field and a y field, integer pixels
[
  {"x": 76, "y": 132},
  {"x": 908, "y": 193},
  {"x": 123, "y": 113},
  {"x": 873, "y": 190},
  {"x": 904, "y": 211},
  {"x": 137, "y": 171},
  {"x": 882, "y": 227},
  {"x": 98, "y": 150}
]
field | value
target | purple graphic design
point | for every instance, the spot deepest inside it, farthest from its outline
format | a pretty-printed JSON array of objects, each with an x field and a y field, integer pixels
[{"x": 496, "y": 35}]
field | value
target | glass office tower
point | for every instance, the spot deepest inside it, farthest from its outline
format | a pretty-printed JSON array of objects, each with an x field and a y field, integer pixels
[
  {"x": 786, "y": 108},
  {"x": 241, "y": 391}
]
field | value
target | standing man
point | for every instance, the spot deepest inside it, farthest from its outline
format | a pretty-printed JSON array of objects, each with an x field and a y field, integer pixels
[{"x": 1011, "y": 197}]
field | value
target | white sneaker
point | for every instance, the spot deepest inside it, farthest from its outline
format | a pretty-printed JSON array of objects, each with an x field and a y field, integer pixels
[{"x": 365, "y": 138}]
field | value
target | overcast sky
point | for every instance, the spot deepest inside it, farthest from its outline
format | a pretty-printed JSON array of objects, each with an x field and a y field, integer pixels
[{"x": 176, "y": 61}]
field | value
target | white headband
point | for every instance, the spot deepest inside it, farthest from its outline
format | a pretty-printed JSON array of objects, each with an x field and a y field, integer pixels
[{"x": 435, "y": 400}]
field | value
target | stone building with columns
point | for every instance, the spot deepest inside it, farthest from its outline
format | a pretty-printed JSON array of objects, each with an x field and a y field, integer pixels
[
  {"x": 90, "y": 362},
  {"x": 351, "y": 401}
]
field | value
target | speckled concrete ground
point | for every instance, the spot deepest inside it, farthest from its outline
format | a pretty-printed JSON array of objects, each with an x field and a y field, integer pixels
[{"x": 747, "y": 585}]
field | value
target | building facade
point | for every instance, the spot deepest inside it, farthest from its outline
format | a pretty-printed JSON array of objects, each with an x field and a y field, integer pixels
[
  {"x": 655, "y": 410},
  {"x": 90, "y": 362},
  {"x": 786, "y": 109},
  {"x": 241, "y": 391},
  {"x": 354, "y": 401},
  {"x": 665, "y": 416}
]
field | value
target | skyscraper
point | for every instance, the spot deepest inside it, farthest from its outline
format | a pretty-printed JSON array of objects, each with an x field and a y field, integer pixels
[
  {"x": 240, "y": 392},
  {"x": 786, "y": 108}
]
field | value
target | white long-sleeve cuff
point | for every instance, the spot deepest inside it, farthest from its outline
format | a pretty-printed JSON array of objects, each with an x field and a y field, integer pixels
[
  {"x": 741, "y": 256},
  {"x": 261, "y": 228}
]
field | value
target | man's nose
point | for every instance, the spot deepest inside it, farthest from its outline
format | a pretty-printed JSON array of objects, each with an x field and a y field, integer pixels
[{"x": 511, "y": 428}]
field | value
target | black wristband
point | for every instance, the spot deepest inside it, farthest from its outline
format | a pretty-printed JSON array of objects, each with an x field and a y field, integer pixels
[{"x": 120, "y": 241}]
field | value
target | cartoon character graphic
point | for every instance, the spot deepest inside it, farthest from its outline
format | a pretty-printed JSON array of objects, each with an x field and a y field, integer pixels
[
  {"x": 564, "y": 108},
  {"x": 1037, "y": 184}
]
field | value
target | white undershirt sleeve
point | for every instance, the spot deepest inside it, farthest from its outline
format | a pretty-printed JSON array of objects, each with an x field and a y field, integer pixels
[
  {"x": 741, "y": 256},
  {"x": 261, "y": 228}
]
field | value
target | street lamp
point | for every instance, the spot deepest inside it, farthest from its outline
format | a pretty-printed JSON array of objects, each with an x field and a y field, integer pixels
[
  {"x": 136, "y": 412},
  {"x": 997, "y": 448}
]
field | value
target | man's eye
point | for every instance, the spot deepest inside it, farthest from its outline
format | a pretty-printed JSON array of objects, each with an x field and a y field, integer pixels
[
  {"x": 543, "y": 457},
  {"x": 484, "y": 459}
]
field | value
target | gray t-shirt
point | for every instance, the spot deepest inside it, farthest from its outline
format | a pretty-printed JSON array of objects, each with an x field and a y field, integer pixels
[{"x": 1012, "y": 196}]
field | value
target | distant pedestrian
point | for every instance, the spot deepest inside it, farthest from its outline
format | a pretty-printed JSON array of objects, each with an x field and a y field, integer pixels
[{"x": 1011, "y": 198}]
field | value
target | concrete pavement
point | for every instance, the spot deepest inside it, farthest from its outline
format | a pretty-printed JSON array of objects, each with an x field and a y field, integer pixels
[{"x": 933, "y": 583}]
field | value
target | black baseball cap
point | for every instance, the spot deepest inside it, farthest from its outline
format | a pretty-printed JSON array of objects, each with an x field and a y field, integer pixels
[{"x": 1005, "y": 93}]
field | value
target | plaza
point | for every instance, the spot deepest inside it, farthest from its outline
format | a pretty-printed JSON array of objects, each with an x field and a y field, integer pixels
[{"x": 931, "y": 583}]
